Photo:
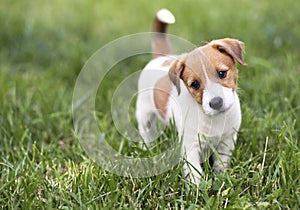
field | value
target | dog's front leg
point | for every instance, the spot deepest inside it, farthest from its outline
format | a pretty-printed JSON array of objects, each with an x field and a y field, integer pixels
[
  {"x": 192, "y": 150},
  {"x": 224, "y": 152}
]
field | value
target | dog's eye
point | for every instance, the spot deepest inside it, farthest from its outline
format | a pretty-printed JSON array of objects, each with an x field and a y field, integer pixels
[
  {"x": 195, "y": 85},
  {"x": 222, "y": 74}
]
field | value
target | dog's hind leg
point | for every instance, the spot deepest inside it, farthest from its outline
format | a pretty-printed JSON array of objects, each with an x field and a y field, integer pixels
[{"x": 146, "y": 120}]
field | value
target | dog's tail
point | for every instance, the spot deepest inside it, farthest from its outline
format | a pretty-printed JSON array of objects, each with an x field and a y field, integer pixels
[{"x": 160, "y": 44}]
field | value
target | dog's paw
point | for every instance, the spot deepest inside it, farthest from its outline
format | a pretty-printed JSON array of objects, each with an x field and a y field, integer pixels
[
  {"x": 219, "y": 168},
  {"x": 192, "y": 175},
  {"x": 194, "y": 178}
]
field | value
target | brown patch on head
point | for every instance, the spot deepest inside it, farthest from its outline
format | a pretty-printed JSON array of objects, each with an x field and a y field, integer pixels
[
  {"x": 194, "y": 83},
  {"x": 211, "y": 60},
  {"x": 193, "y": 80},
  {"x": 231, "y": 47},
  {"x": 161, "y": 94},
  {"x": 222, "y": 55}
]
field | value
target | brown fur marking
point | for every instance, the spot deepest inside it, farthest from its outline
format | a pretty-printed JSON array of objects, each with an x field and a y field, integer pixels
[
  {"x": 161, "y": 93},
  {"x": 160, "y": 44}
]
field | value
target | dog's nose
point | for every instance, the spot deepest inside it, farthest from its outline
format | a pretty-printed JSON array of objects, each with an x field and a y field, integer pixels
[{"x": 216, "y": 103}]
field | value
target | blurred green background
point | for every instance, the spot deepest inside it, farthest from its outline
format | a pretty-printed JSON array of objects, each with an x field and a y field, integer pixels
[{"x": 43, "y": 46}]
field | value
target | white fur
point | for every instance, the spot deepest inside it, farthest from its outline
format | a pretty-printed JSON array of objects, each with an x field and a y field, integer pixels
[
  {"x": 165, "y": 16},
  {"x": 200, "y": 127}
]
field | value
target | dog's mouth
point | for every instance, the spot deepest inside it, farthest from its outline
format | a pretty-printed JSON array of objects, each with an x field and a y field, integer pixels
[{"x": 210, "y": 111}]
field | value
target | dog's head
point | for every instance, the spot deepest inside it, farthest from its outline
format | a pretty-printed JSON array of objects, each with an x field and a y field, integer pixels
[{"x": 210, "y": 74}]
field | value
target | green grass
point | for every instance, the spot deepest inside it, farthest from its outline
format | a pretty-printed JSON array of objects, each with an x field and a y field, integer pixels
[{"x": 43, "y": 46}]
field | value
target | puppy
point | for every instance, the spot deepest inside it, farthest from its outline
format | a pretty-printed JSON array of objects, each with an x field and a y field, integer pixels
[{"x": 197, "y": 90}]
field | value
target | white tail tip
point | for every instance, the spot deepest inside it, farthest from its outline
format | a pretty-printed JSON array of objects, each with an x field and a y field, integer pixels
[{"x": 165, "y": 16}]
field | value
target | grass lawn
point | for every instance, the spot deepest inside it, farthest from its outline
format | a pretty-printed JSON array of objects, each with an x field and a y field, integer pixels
[{"x": 44, "y": 45}]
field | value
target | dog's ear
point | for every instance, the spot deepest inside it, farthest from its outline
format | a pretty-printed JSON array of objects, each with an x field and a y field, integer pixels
[
  {"x": 232, "y": 47},
  {"x": 175, "y": 72}
]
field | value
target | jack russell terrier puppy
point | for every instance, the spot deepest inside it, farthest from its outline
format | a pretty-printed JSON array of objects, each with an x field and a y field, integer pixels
[{"x": 197, "y": 90}]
